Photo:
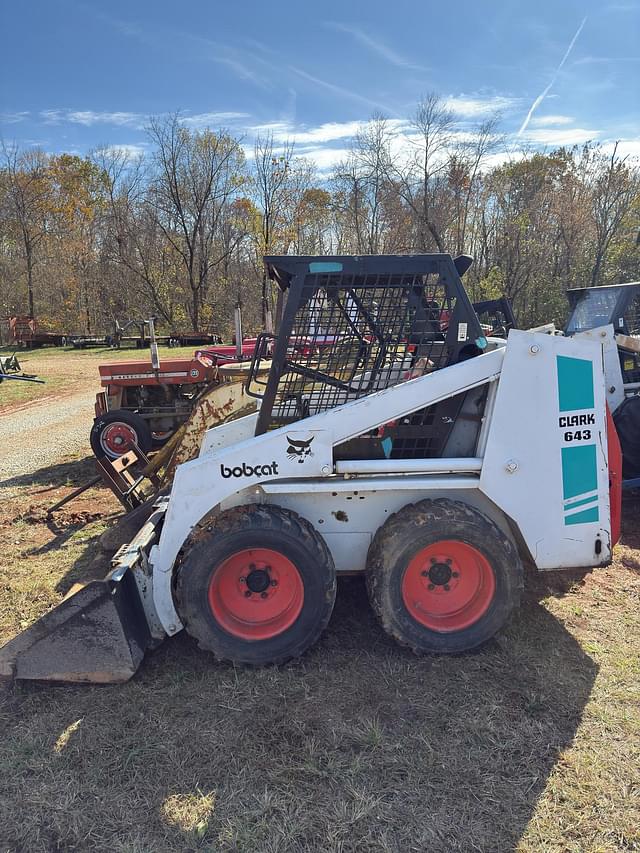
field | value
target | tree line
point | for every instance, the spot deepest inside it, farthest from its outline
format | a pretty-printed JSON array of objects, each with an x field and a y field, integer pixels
[{"x": 180, "y": 233}]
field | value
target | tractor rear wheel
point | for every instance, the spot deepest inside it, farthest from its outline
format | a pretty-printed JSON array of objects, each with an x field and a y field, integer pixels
[
  {"x": 442, "y": 577},
  {"x": 255, "y": 585},
  {"x": 112, "y": 433}
]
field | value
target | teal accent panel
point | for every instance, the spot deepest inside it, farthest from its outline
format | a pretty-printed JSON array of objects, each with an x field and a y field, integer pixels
[
  {"x": 481, "y": 343},
  {"x": 575, "y": 383},
  {"x": 583, "y": 517},
  {"x": 579, "y": 470},
  {"x": 325, "y": 266},
  {"x": 576, "y": 504}
]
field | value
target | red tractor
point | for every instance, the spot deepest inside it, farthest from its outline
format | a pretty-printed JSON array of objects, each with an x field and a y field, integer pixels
[{"x": 144, "y": 405}]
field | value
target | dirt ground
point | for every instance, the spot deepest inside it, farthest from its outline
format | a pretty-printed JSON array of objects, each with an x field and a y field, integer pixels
[
  {"x": 531, "y": 744},
  {"x": 43, "y": 424}
]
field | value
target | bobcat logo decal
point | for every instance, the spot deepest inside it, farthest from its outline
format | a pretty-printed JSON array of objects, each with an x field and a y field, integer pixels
[{"x": 299, "y": 450}]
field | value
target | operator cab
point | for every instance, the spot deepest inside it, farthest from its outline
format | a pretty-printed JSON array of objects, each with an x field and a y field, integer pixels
[{"x": 615, "y": 304}]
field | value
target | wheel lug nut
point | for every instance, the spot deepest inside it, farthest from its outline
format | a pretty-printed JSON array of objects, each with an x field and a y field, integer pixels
[
  {"x": 247, "y": 594},
  {"x": 431, "y": 586},
  {"x": 264, "y": 594},
  {"x": 274, "y": 583},
  {"x": 447, "y": 587},
  {"x": 455, "y": 574},
  {"x": 242, "y": 580}
]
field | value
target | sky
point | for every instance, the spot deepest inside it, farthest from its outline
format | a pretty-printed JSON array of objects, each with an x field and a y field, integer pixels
[{"x": 76, "y": 74}]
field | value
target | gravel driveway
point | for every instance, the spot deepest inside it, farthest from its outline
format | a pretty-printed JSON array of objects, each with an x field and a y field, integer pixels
[{"x": 44, "y": 432}]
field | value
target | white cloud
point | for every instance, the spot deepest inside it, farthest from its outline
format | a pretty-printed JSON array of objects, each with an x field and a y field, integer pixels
[
  {"x": 499, "y": 158},
  {"x": 51, "y": 116},
  {"x": 199, "y": 121},
  {"x": 561, "y": 136},
  {"x": 626, "y": 147},
  {"x": 132, "y": 150},
  {"x": 546, "y": 121},
  {"x": 328, "y": 132},
  {"x": 477, "y": 107},
  {"x": 13, "y": 118},
  {"x": 325, "y": 158},
  {"x": 90, "y": 117},
  {"x": 138, "y": 121}
]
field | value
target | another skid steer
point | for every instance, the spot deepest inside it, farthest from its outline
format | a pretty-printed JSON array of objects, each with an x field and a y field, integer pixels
[
  {"x": 393, "y": 439},
  {"x": 616, "y": 306}
]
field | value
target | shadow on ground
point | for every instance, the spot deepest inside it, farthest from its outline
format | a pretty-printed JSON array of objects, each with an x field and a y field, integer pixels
[
  {"x": 72, "y": 473},
  {"x": 359, "y": 746}
]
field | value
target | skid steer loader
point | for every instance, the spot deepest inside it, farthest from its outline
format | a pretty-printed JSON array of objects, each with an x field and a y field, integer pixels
[{"x": 393, "y": 438}]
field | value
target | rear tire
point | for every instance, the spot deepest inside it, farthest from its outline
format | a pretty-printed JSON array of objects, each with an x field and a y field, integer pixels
[
  {"x": 442, "y": 577},
  {"x": 111, "y": 433},
  {"x": 255, "y": 585}
]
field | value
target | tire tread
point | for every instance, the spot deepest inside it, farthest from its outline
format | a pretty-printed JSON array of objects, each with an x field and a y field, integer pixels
[{"x": 426, "y": 512}]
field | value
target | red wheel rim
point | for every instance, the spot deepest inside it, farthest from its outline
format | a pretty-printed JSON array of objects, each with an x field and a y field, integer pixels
[
  {"x": 448, "y": 586},
  {"x": 256, "y": 594},
  {"x": 116, "y": 438}
]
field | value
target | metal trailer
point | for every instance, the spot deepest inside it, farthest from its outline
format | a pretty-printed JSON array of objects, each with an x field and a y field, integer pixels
[
  {"x": 23, "y": 331},
  {"x": 393, "y": 439}
]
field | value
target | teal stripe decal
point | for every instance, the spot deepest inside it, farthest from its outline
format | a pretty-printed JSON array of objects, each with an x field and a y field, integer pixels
[
  {"x": 579, "y": 476},
  {"x": 575, "y": 383},
  {"x": 576, "y": 504},
  {"x": 579, "y": 472},
  {"x": 325, "y": 266},
  {"x": 582, "y": 517}
]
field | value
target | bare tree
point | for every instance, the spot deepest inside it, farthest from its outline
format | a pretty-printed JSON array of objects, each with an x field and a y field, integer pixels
[
  {"x": 28, "y": 192},
  {"x": 273, "y": 168},
  {"x": 613, "y": 188},
  {"x": 197, "y": 175},
  {"x": 465, "y": 173},
  {"x": 362, "y": 184},
  {"x": 134, "y": 241},
  {"x": 421, "y": 177}
]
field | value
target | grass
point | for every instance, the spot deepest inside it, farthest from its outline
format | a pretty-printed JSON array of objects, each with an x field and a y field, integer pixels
[
  {"x": 532, "y": 744},
  {"x": 67, "y": 370}
]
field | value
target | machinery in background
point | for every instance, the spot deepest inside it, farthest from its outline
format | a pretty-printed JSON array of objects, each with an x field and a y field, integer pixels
[
  {"x": 617, "y": 306},
  {"x": 10, "y": 369}
]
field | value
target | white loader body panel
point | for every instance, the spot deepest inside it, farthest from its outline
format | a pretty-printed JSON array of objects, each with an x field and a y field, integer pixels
[
  {"x": 545, "y": 463},
  {"x": 545, "y": 424}
]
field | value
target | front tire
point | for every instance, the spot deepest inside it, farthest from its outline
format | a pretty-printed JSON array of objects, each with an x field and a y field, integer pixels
[
  {"x": 255, "y": 585},
  {"x": 442, "y": 577}
]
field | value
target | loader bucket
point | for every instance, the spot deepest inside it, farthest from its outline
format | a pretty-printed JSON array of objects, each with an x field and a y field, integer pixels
[{"x": 97, "y": 635}]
